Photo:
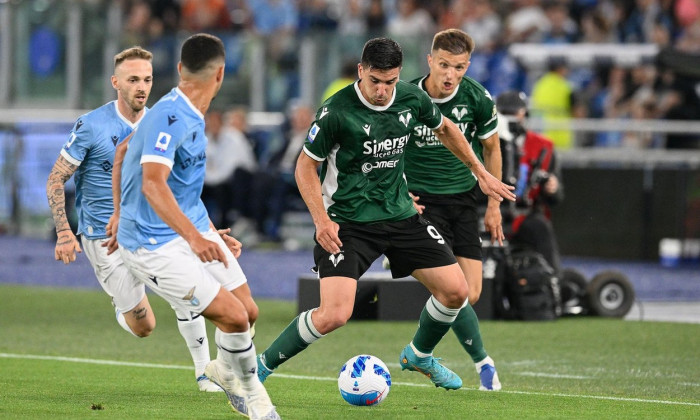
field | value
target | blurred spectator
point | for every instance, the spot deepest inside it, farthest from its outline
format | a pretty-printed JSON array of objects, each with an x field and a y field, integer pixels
[
  {"x": 276, "y": 21},
  {"x": 348, "y": 74},
  {"x": 552, "y": 101},
  {"x": 689, "y": 39},
  {"x": 687, "y": 12},
  {"x": 168, "y": 13},
  {"x": 376, "y": 18},
  {"x": 641, "y": 19},
  {"x": 596, "y": 28},
  {"x": 138, "y": 23},
  {"x": 527, "y": 23},
  {"x": 239, "y": 14},
  {"x": 353, "y": 20},
  {"x": 562, "y": 29},
  {"x": 275, "y": 188},
  {"x": 205, "y": 15},
  {"x": 229, "y": 167},
  {"x": 411, "y": 20},
  {"x": 274, "y": 18},
  {"x": 316, "y": 15},
  {"x": 482, "y": 23}
]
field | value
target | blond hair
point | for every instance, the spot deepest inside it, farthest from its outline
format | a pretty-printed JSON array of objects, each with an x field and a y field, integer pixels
[{"x": 132, "y": 53}]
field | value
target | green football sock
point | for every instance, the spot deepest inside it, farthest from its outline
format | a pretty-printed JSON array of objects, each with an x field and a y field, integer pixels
[
  {"x": 466, "y": 328},
  {"x": 291, "y": 341},
  {"x": 435, "y": 321}
]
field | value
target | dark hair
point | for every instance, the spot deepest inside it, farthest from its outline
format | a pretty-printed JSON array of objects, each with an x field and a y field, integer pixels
[
  {"x": 201, "y": 49},
  {"x": 382, "y": 54},
  {"x": 454, "y": 41}
]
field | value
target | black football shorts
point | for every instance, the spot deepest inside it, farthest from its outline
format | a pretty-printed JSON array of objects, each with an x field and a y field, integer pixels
[{"x": 409, "y": 244}]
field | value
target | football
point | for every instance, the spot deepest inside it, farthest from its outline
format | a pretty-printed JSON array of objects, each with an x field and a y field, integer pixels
[{"x": 364, "y": 380}]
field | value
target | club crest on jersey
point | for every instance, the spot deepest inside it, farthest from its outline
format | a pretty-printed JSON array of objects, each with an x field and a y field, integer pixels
[
  {"x": 163, "y": 141},
  {"x": 336, "y": 258},
  {"x": 405, "y": 118},
  {"x": 191, "y": 297},
  {"x": 459, "y": 112},
  {"x": 313, "y": 132}
]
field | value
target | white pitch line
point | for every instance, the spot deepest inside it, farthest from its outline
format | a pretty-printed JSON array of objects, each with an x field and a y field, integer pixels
[
  {"x": 552, "y": 375},
  {"x": 91, "y": 361},
  {"x": 322, "y": 378}
]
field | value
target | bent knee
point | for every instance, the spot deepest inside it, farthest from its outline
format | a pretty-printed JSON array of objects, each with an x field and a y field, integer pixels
[
  {"x": 236, "y": 320},
  {"x": 328, "y": 321},
  {"x": 474, "y": 295},
  {"x": 253, "y": 312},
  {"x": 143, "y": 329},
  {"x": 455, "y": 298}
]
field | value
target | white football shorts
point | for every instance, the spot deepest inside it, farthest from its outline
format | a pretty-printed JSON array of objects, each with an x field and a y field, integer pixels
[
  {"x": 114, "y": 277},
  {"x": 176, "y": 274}
]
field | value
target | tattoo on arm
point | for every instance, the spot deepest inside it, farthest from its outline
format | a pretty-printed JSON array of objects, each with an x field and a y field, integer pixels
[{"x": 55, "y": 191}]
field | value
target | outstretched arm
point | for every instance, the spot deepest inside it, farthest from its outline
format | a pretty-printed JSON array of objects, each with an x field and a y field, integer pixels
[
  {"x": 454, "y": 140},
  {"x": 494, "y": 165},
  {"x": 66, "y": 244}
]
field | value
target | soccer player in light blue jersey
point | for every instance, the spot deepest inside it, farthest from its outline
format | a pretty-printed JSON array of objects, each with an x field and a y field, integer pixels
[
  {"x": 164, "y": 233},
  {"x": 89, "y": 154}
]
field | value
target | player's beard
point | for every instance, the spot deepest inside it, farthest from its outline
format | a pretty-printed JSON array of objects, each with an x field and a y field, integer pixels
[{"x": 136, "y": 105}]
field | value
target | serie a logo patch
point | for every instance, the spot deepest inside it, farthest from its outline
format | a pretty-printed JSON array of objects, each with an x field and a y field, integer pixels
[{"x": 163, "y": 142}]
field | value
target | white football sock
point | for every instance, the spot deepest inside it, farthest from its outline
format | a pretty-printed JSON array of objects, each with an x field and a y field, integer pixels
[
  {"x": 195, "y": 334},
  {"x": 238, "y": 351}
]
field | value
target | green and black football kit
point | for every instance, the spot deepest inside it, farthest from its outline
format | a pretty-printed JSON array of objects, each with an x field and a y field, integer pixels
[
  {"x": 362, "y": 179},
  {"x": 445, "y": 185}
]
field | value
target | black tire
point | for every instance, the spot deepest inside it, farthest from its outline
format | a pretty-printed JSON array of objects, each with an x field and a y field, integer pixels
[
  {"x": 574, "y": 298},
  {"x": 610, "y": 294}
]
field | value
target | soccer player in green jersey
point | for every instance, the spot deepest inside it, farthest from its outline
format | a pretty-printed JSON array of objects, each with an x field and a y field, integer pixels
[
  {"x": 444, "y": 189},
  {"x": 361, "y": 209}
]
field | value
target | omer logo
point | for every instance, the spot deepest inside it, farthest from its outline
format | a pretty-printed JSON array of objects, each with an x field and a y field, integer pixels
[{"x": 368, "y": 167}]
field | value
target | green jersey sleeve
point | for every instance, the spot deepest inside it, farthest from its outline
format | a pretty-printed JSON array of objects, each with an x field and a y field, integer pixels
[
  {"x": 487, "y": 118},
  {"x": 321, "y": 138},
  {"x": 429, "y": 113}
]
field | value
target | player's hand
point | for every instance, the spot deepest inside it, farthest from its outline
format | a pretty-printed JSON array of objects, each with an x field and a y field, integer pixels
[
  {"x": 327, "y": 236},
  {"x": 493, "y": 224},
  {"x": 66, "y": 247},
  {"x": 233, "y": 244},
  {"x": 208, "y": 251},
  {"x": 111, "y": 230},
  {"x": 494, "y": 188},
  {"x": 419, "y": 207}
]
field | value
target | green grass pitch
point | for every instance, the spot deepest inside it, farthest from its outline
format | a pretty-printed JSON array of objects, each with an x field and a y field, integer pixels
[{"x": 62, "y": 355}]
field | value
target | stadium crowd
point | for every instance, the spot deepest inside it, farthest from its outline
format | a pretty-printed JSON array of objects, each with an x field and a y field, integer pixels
[{"x": 663, "y": 88}]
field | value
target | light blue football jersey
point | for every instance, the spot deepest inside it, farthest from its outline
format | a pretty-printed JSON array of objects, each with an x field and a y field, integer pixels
[
  {"x": 172, "y": 134},
  {"x": 91, "y": 147}
]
